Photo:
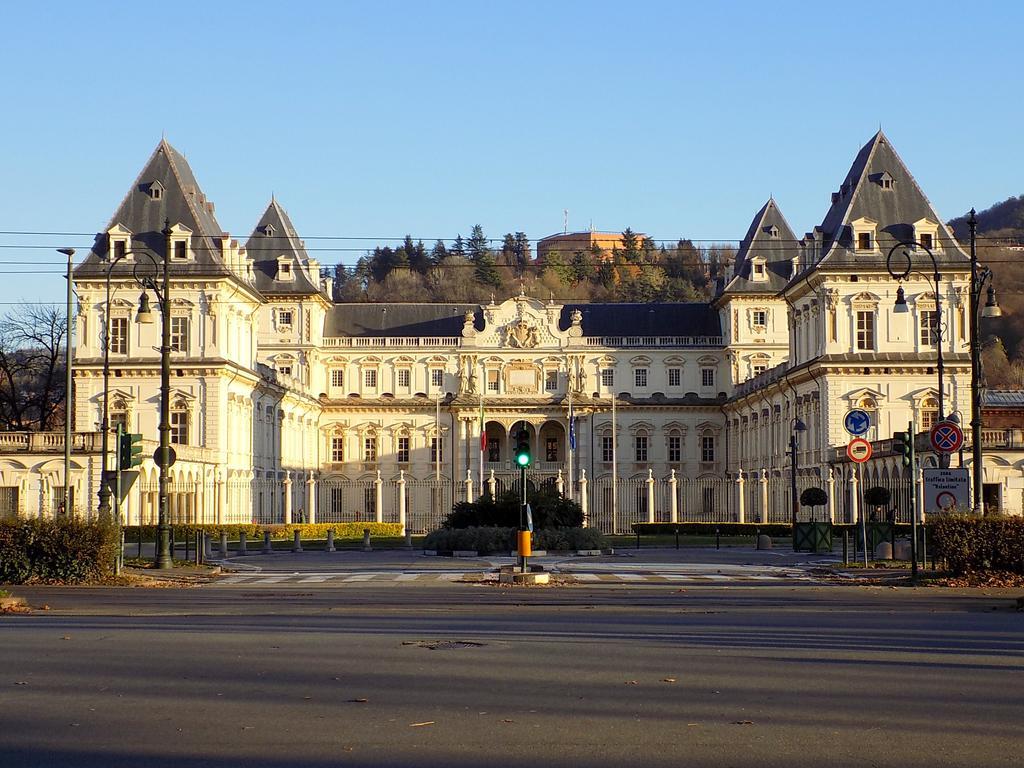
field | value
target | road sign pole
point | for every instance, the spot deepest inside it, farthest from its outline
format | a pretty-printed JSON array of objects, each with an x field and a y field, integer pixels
[
  {"x": 913, "y": 507},
  {"x": 860, "y": 506},
  {"x": 117, "y": 505}
]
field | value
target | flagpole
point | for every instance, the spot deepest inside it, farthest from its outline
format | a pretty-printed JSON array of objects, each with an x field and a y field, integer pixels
[
  {"x": 615, "y": 469},
  {"x": 571, "y": 440},
  {"x": 483, "y": 428}
]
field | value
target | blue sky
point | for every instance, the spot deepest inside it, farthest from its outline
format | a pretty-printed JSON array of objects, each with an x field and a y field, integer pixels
[{"x": 378, "y": 119}]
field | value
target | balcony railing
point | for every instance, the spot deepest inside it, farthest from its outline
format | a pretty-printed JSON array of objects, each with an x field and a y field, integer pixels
[
  {"x": 48, "y": 442},
  {"x": 654, "y": 341},
  {"x": 392, "y": 342}
]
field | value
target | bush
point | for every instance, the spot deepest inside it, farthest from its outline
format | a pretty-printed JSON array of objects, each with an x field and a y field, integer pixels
[
  {"x": 970, "y": 544},
  {"x": 64, "y": 550},
  {"x": 548, "y": 507},
  {"x": 813, "y": 497},
  {"x": 877, "y": 496},
  {"x": 254, "y": 531},
  {"x": 488, "y": 539}
]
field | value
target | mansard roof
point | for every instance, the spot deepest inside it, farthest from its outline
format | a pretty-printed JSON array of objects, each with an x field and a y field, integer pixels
[
  {"x": 275, "y": 238},
  {"x": 881, "y": 188},
  {"x": 179, "y": 201},
  {"x": 771, "y": 238},
  {"x": 404, "y": 320}
]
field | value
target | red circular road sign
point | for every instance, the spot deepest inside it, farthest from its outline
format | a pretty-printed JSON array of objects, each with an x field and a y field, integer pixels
[
  {"x": 946, "y": 437},
  {"x": 859, "y": 450}
]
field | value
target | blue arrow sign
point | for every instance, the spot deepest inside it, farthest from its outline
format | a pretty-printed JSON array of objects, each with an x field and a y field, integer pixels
[{"x": 857, "y": 422}]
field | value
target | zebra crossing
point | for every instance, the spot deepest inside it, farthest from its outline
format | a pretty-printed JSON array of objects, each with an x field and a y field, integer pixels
[{"x": 752, "y": 577}]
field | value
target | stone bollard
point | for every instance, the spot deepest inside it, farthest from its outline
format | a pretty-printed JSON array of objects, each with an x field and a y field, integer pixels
[
  {"x": 223, "y": 544},
  {"x": 297, "y": 542},
  {"x": 902, "y": 550},
  {"x": 883, "y": 551},
  {"x": 267, "y": 546},
  {"x": 330, "y": 540},
  {"x": 366, "y": 540},
  {"x": 241, "y": 544},
  {"x": 764, "y": 541},
  {"x": 207, "y": 554},
  {"x": 408, "y": 539}
]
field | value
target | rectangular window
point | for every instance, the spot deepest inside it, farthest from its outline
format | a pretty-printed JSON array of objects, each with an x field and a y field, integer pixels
[
  {"x": 759, "y": 368},
  {"x": 492, "y": 381},
  {"x": 404, "y": 378},
  {"x": 493, "y": 449},
  {"x": 640, "y": 448},
  {"x": 369, "y": 449},
  {"x": 863, "y": 241},
  {"x": 707, "y": 448},
  {"x": 370, "y": 378},
  {"x": 436, "y": 378},
  {"x": 607, "y": 377},
  {"x": 926, "y": 240},
  {"x": 284, "y": 370},
  {"x": 759, "y": 318},
  {"x": 338, "y": 377},
  {"x": 403, "y": 450},
  {"x": 675, "y": 377},
  {"x": 866, "y": 329},
  {"x": 436, "y": 450},
  {"x": 181, "y": 250},
  {"x": 284, "y": 317},
  {"x": 118, "y": 417},
  {"x": 551, "y": 449},
  {"x": 640, "y": 378},
  {"x": 120, "y": 249},
  {"x": 928, "y": 419},
  {"x": 929, "y": 326},
  {"x": 179, "y": 334},
  {"x": 675, "y": 448},
  {"x": 707, "y": 377},
  {"x": 606, "y": 449},
  {"x": 337, "y": 449},
  {"x": 551, "y": 381},
  {"x": 179, "y": 427},
  {"x": 119, "y": 335}
]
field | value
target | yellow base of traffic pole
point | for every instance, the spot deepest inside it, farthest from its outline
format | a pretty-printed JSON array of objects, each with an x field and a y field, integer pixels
[{"x": 524, "y": 548}]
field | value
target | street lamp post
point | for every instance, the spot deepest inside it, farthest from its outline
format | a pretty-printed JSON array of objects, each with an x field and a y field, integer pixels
[
  {"x": 161, "y": 289},
  {"x": 70, "y": 253},
  {"x": 798, "y": 427},
  {"x": 902, "y": 308},
  {"x": 991, "y": 309}
]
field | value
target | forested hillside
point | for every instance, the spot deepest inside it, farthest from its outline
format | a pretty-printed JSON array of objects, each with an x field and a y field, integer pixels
[{"x": 478, "y": 268}]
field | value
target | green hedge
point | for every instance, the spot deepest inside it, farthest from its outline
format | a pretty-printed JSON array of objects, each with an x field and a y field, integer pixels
[
  {"x": 254, "y": 531},
  {"x": 970, "y": 544},
  {"x": 64, "y": 550},
  {"x": 488, "y": 539}
]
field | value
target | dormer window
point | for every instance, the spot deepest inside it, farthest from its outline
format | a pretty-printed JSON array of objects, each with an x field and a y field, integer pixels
[
  {"x": 269, "y": 230},
  {"x": 155, "y": 191},
  {"x": 863, "y": 241},
  {"x": 181, "y": 250},
  {"x": 926, "y": 240},
  {"x": 864, "y": 234},
  {"x": 284, "y": 268},
  {"x": 181, "y": 246},
  {"x": 758, "y": 269},
  {"x": 925, "y": 232},
  {"x": 120, "y": 249},
  {"x": 118, "y": 239},
  {"x": 885, "y": 180},
  {"x": 773, "y": 232}
]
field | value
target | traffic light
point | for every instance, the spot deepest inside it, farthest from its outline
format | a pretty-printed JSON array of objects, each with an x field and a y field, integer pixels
[
  {"x": 129, "y": 451},
  {"x": 903, "y": 444},
  {"x": 523, "y": 448}
]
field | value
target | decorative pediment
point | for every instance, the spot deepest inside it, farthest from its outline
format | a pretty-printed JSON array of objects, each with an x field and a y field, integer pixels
[
  {"x": 640, "y": 360},
  {"x": 709, "y": 427},
  {"x": 856, "y": 397}
]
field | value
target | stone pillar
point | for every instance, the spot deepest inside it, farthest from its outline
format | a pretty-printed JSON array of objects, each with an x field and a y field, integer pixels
[
  {"x": 401, "y": 500},
  {"x": 830, "y": 488},
  {"x": 469, "y": 485},
  {"x": 741, "y": 516},
  {"x": 378, "y": 497},
  {"x": 222, "y": 497},
  {"x": 560, "y": 484},
  {"x": 584, "y": 503},
  {"x": 492, "y": 485},
  {"x": 287, "y": 498},
  {"x": 311, "y": 496},
  {"x": 459, "y": 449},
  {"x": 673, "y": 488},
  {"x": 764, "y": 495},
  {"x": 650, "y": 495}
]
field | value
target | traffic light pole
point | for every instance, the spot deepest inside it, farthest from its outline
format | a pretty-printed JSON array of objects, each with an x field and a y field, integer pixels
[
  {"x": 522, "y": 517},
  {"x": 117, "y": 504}
]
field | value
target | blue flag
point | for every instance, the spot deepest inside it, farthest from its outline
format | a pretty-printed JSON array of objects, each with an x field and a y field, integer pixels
[{"x": 572, "y": 429}]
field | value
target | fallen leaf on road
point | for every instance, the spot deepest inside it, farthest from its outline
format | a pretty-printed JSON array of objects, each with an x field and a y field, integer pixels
[
  {"x": 22, "y": 682},
  {"x": 506, "y": 720},
  {"x": 420, "y": 725},
  {"x": 668, "y": 680},
  {"x": 692, "y": 724},
  {"x": 66, "y": 637},
  {"x": 630, "y": 682},
  {"x": 742, "y": 722},
  {"x": 358, "y": 701}
]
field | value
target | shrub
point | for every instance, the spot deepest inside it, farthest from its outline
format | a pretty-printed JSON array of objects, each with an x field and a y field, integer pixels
[
  {"x": 813, "y": 497},
  {"x": 63, "y": 550},
  {"x": 877, "y": 496},
  {"x": 970, "y": 544},
  {"x": 488, "y": 539},
  {"x": 548, "y": 507},
  {"x": 254, "y": 531}
]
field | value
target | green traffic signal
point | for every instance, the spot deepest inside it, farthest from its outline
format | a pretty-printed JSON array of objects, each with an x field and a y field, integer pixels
[
  {"x": 130, "y": 450},
  {"x": 523, "y": 449},
  {"x": 903, "y": 445}
]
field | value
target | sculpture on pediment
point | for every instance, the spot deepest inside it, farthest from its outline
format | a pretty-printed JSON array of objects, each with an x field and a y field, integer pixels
[{"x": 521, "y": 335}]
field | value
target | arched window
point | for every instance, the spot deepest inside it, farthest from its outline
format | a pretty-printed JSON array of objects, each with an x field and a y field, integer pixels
[
  {"x": 870, "y": 406},
  {"x": 929, "y": 413}
]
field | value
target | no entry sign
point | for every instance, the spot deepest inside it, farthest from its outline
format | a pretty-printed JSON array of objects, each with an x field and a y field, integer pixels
[{"x": 859, "y": 450}]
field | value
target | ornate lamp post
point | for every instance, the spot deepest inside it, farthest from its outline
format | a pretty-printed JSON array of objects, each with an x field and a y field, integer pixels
[
  {"x": 991, "y": 309},
  {"x": 160, "y": 285},
  {"x": 797, "y": 427}
]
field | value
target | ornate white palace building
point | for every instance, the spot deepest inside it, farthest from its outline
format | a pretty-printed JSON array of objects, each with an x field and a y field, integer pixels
[{"x": 288, "y": 406}]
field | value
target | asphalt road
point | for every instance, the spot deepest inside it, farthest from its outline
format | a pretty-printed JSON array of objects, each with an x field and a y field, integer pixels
[{"x": 448, "y": 674}]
